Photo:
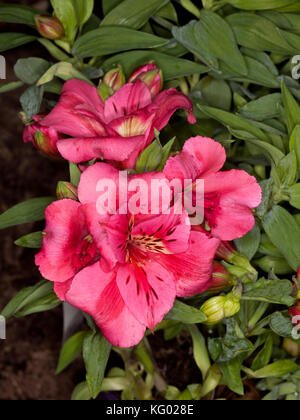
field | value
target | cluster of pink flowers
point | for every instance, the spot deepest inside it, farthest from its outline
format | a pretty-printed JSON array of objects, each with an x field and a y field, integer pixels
[{"x": 126, "y": 269}]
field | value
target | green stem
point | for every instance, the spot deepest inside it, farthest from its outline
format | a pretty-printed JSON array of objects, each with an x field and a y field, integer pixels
[{"x": 260, "y": 311}]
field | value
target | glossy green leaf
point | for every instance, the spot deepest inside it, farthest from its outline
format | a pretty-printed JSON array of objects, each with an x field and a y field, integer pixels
[
  {"x": 270, "y": 291},
  {"x": 258, "y": 33},
  {"x": 248, "y": 245},
  {"x": 264, "y": 356},
  {"x": 103, "y": 41},
  {"x": 185, "y": 313},
  {"x": 200, "y": 351},
  {"x": 150, "y": 158},
  {"x": 81, "y": 392},
  {"x": 109, "y": 5},
  {"x": 29, "y": 70},
  {"x": 277, "y": 369},
  {"x": 96, "y": 351},
  {"x": 33, "y": 240},
  {"x": 71, "y": 349},
  {"x": 27, "y": 212},
  {"x": 266, "y": 107},
  {"x": 31, "y": 100},
  {"x": 83, "y": 10},
  {"x": 12, "y": 40},
  {"x": 65, "y": 11},
  {"x": 172, "y": 67},
  {"x": 14, "y": 13},
  {"x": 133, "y": 13},
  {"x": 63, "y": 70},
  {"x": 277, "y": 264},
  {"x": 232, "y": 374},
  {"x": 281, "y": 325},
  {"x": 8, "y": 87},
  {"x": 284, "y": 232},
  {"x": 260, "y": 4},
  {"x": 27, "y": 297},
  {"x": 45, "y": 303},
  {"x": 203, "y": 39},
  {"x": 292, "y": 108}
]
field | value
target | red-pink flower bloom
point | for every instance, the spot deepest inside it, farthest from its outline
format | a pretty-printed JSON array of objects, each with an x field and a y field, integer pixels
[
  {"x": 117, "y": 130},
  {"x": 145, "y": 260},
  {"x": 43, "y": 138},
  {"x": 229, "y": 196}
]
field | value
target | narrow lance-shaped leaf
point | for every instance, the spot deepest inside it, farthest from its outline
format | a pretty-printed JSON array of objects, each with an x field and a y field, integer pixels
[{"x": 27, "y": 212}]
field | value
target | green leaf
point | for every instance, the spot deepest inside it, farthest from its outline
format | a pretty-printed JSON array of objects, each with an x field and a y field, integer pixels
[
  {"x": 81, "y": 392},
  {"x": 96, "y": 351},
  {"x": 56, "y": 52},
  {"x": 295, "y": 144},
  {"x": 13, "y": 13},
  {"x": 27, "y": 297},
  {"x": 75, "y": 174},
  {"x": 185, "y": 313},
  {"x": 294, "y": 193},
  {"x": 260, "y": 4},
  {"x": 265, "y": 355},
  {"x": 109, "y": 5},
  {"x": 284, "y": 233},
  {"x": 277, "y": 264},
  {"x": 267, "y": 189},
  {"x": 133, "y": 13},
  {"x": 248, "y": 245},
  {"x": 262, "y": 109},
  {"x": 286, "y": 170},
  {"x": 31, "y": 100},
  {"x": 203, "y": 39},
  {"x": 144, "y": 358},
  {"x": 216, "y": 93},
  {"x": 12, "y": 40},
  {"x": 71, "y": 349},
  {"x": 65, "y": 11},
  {"x": 150, "y": 158},
  {"x": 168, "y": 12},
  {"x": 103, "y": 41},
  {"x": 166, "y": 154},
  {"x": 172, "y": 67},
  {"x": 33, "y": 240},
  {"x": 277, "y": 369},
  {"x": 45, "y": 303},
  {"x": 83, "y": 10},
  {"x": 258, "y": 33},
  {"x": 8, "y": 87},
  {"x": 292, "y": 108},
  {"x": 27, "y": 212},
  {"x": 232, "y": 374},
  {"x": 233, "y": 121},
  {"x": 281, "y": 325},
  {"x": 200, "y": 352},
  {"x": 29, "y": 70},
  {"x": 270, "y": 291},
  {"x": 63, "y": 70}
]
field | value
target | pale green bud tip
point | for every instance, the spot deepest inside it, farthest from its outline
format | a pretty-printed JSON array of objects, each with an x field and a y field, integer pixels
[
  {"x": 66, "y": 190},
  {"x": 115, "y": 79},
  {"x": 50, "y": 27}
]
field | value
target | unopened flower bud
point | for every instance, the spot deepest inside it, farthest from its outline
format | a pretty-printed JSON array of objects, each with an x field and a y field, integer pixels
[
  {"x": 241, "y": 266},
  {"x": 50, "y": 27},
  {"x": 115, "y": 79},
  {"x": 220, "y": 307},
  {"x": 43, "y": 138},
  {"x": 221, "y": 278},
  {"x": 105, "y": 91},
  {"x": 213, "y": 309},
  {"x": 151, "y": 76},
  {"x": 66, "y": 190}
]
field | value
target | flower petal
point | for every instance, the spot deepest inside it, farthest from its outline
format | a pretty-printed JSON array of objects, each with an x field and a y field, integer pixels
[
  {"x": 166, "y": 103},
  {"x": 65, "y": 229},
  {"x": 148, "y": 291},
  {"x": 126, "y": 101},
  {"x": 96, "y": 293},
  {"x": 117, "y": 149},
  {"x": 230, "y": 216},
  {"x": 193, "y": 269},
  {"x": 80, "y": 111}
]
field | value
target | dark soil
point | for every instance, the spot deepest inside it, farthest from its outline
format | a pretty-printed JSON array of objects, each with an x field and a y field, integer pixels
[{"x": 28, "y": 357}]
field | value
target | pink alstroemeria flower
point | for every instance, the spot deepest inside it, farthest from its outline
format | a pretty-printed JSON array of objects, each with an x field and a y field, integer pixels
[
  {"x": 117, "y": 130},
  {"x": 145, "y": 260},
  {"x": 229, "y": 196},
  {"x": 43, "y": 138}
]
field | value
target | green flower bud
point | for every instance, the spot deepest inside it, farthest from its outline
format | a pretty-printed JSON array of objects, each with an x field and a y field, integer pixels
[
  {"x": 66, "y": 190},
  {"x": 213, "y": 309}
]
